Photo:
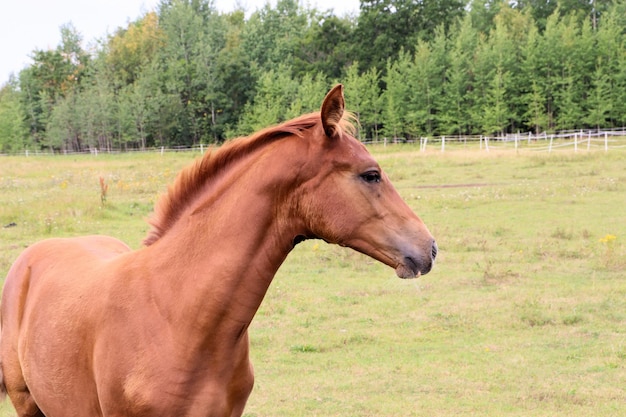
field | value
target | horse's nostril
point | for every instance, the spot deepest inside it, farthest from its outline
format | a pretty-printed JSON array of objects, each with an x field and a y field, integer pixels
[{"x": 434, "y": 250}]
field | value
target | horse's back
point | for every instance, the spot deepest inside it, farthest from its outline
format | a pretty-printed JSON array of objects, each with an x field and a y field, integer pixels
[
  {"x": 63, "y": 263},
  {"x": 46, "y": 296}
]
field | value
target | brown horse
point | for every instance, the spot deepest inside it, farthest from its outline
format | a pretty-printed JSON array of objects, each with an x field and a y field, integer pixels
[{"x": 91, "y": 328}]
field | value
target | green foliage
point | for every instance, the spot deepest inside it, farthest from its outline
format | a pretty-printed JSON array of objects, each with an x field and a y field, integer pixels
[
  {"x": 386, "y": 27},
  {"x": 13, "y": 131},
  {"x": 130, "y": 49},
  {"x": 396, "y": 96},
  {"x": 186, "y": 74},
  {"x": 453, "y": 115},
  {"x": 364, "y": 97},
  {"x": 275, "y": 90},
  {"x": 271, "y": 34},
  {"x": 325, "y": 47}
]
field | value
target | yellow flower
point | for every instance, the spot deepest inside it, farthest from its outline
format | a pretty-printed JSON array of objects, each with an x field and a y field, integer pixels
[{"x": 608, "y": 238}]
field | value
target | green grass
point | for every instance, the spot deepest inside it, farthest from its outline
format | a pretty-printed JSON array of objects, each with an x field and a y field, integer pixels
[{"x": 523, "y": 315}]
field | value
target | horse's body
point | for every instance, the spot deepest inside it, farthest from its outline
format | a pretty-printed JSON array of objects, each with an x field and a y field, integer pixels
[{"x": 91, "y": 328}]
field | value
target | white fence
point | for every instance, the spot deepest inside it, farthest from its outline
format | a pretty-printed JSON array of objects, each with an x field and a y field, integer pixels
[
  {"x": 547, "y": 142},
  {"x": 579, "y": 140}
]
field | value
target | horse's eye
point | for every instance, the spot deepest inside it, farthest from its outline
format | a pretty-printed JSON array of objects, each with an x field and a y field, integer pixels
[{"x": 371, "y": 176}]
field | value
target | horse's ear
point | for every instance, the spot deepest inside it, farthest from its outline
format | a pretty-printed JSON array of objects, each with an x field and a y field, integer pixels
[{"x": 332, "y": 110}]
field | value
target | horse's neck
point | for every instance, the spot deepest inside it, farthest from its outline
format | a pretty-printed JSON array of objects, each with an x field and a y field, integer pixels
[{"x": 219, "y": 261}]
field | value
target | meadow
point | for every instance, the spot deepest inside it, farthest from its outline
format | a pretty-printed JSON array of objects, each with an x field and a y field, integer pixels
[{"x": 524, "y": 313}]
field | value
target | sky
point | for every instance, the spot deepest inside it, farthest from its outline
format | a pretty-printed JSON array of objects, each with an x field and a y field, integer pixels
[{"x": 26, "y": 25}]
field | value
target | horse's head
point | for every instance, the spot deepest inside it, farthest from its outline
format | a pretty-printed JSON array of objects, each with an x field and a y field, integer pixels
[{"x": 347, "y": 199}]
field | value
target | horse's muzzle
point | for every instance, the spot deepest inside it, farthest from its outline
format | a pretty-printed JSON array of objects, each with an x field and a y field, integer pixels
[{"x": 416, "y": 266}]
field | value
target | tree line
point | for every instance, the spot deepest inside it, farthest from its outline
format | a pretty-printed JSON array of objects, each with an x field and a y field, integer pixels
[{"x": 186, "y": 73}]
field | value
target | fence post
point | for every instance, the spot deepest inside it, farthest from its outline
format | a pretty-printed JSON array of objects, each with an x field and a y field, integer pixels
[
  {"x": 487, "y": 143},
  {"x": 575, "y": 142},
  {"x": 606, "y": 142},
  {"x": 589, "y": 140},
  {"x": 162, "y": 149},
  {"x": 550, "y": 146},
  {"x": 443, "y": 144}
]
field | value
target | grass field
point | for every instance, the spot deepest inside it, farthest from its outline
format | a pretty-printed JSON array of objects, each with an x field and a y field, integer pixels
[{"x": 523, "y": 315}]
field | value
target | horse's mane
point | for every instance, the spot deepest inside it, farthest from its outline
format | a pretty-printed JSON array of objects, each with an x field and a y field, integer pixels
[{"x": 191, "y": 179}]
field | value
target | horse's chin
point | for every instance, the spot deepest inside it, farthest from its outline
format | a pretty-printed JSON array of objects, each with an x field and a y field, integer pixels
[{"x": 404, "y": 272}]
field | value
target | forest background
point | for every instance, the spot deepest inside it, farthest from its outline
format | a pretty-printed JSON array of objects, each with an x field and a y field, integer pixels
[{"x": 185, "y": 74}]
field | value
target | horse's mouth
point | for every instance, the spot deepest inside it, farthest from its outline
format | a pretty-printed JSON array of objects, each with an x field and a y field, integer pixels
[
  {"x": 407, "y": 269},
  {"x": 405, "y": 273},
  {"x": 410, "y": 268}
]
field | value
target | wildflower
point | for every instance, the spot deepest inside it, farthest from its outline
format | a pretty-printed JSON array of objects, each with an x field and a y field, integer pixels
[{"x": 608, "y": 239}]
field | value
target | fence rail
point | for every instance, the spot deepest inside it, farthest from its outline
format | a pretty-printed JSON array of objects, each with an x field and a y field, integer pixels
[{"x": 578, "y": 140}]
